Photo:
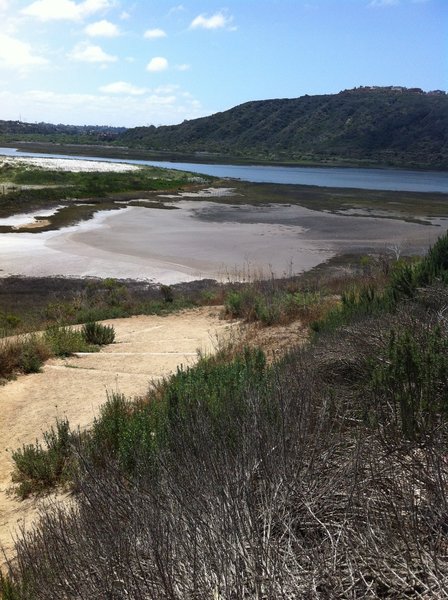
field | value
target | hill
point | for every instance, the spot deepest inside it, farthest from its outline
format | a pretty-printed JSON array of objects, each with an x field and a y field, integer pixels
[
  {"x": 93, "y": 134},
  {"x": 389, "y": 126}
]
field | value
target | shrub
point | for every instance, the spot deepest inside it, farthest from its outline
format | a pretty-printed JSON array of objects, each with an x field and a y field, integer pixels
[
  {"x": 8, "y": 589},
  {"x": 23, "y": 355},
  {"x": 167, "y": 293},
  {"x": 409, "y": 385},
  {"x": 41, "y": 467},
  {"x": 64, "y": 341},
  {"x": 98, "y": 334}
]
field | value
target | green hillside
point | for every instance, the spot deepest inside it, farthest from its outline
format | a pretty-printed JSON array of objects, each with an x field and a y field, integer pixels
[{"x": 389, "y": 126}]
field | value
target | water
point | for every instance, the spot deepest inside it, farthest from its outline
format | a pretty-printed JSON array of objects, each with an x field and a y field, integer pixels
[{"x": 371, "y": 179}]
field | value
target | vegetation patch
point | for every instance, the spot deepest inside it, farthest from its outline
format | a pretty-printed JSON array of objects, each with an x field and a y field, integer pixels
[
  {"x": 40, "y": 467},
  {"x": 25, "y": 188},
  {"x": 27, "y": 353}
]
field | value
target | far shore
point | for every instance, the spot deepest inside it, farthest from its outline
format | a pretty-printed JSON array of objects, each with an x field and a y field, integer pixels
[{"x": 124, "y": 152}]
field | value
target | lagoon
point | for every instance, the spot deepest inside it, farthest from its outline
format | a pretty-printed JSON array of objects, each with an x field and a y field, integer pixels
[{"x": 338, "y": 177}]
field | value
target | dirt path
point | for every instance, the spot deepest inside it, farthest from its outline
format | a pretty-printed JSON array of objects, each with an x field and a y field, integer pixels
[{"x": 146, "y": 348}]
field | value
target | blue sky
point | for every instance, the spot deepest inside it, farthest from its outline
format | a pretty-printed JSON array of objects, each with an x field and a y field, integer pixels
[{"x": 142, "y": 62}]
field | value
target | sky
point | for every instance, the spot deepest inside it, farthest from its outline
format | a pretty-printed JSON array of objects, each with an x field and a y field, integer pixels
[{"x": 146, "y": 62}]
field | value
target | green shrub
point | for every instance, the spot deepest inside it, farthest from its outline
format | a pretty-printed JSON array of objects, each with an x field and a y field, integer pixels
[
  {"x": 9, "y": 321},
  {"x": 234, "y": 304},
  {"x": 64, "y": 341},
  {"x": 41, "y": 467},
  {"x": 411, "y": 381},
  {"x": 110, "y": 425},
  {"x": 130, "y": 432},
  {"x": 98, "y": 334},
  {"x": 167, "y": 293},
  {"x": 268, "y": 310},
  {"x": 8, "y": 589},
  {"x": 247, "y": 303}
]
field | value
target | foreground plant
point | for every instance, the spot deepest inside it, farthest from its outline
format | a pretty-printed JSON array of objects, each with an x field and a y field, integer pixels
[{"x": 40, "y": 467}]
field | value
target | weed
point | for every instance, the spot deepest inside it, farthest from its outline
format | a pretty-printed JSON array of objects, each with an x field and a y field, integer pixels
[{"x": 98, "y": 334}]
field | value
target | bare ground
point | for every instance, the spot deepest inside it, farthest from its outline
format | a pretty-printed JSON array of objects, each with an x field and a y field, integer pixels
[{"x": 146, "y": 348}]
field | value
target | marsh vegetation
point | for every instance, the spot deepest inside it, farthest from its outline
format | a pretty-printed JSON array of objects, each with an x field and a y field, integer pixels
[{"x": 26, "y": 188}]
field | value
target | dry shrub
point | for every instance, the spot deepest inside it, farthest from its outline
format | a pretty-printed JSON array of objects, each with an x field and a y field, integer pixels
[
  {"x": 298, "y": 499},
  {"x": 283, "y": 489},
  {"x": 24, "y": 354}
]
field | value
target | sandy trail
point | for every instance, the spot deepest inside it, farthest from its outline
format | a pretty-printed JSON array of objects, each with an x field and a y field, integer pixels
[{"x": 146, "y": 348}]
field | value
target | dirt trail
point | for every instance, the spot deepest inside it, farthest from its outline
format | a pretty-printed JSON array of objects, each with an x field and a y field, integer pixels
[{"x": 146, "y": 348}]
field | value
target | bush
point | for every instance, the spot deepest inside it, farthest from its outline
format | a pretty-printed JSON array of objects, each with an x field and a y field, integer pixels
[
  {"x": 409, "y": 385},
  {"x": 98, "y": 334},
  {"x": 23, "y": 355},
  {"x": 132, "y": 432},
  {"x": 167, "y": 293},
  {"x": 41, "y": 467},
  {"x": 64, "y": 341}
]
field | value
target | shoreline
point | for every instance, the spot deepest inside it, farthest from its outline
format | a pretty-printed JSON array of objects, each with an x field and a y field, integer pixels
[{"x": 125, "y": 152}]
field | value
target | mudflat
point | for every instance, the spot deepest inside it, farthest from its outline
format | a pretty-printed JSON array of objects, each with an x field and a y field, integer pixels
[{"x": 203, "y": 239}]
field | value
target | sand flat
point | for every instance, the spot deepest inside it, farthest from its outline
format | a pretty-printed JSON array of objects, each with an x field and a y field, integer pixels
[{"x": 203, "y": 239}]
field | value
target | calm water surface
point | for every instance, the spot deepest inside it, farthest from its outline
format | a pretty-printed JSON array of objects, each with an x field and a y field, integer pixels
[{"x": 371, "y": 179}]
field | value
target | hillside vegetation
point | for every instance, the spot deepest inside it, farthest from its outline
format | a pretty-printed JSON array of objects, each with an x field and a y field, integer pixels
[
  {"x": 321, "y": 476},
  {"x": 391, "y": 126},
  {"x": 386, "y": 126},
  {"x": 81, "y": 134}
]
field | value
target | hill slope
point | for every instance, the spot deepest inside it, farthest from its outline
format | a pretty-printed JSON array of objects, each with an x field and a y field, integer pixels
[{"x": 394, "y": 126}]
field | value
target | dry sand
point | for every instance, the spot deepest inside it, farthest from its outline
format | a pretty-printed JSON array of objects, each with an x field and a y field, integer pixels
[
  {"x": 146, "y": 348},
  {"x": 75, "y": 165}
]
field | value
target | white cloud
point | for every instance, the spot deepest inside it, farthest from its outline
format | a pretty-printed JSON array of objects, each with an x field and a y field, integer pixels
[
  {"x": 64, "y": 10},
  {"x": 176, "y": 9},
  {"x": 383, "y": 3},
  {"x": 124, "y": 16},
  {"x": 129, "y": 111},
  {"x": 15, "y": 54},
  {"x": 153, "y": 34},
  {"x": 89, "y": 53},
  {"x": 4, "y": 5},
  {"x": 163, "y": 100},
  {"x": 217, "y": 21},
  {"x": 102, "y": 29},
  {"x": 169, "y": 88},
  {"x": 156, "y": 64},
  {"x": 183, "y": 67},
  {"x": 122, "y": 87}
]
